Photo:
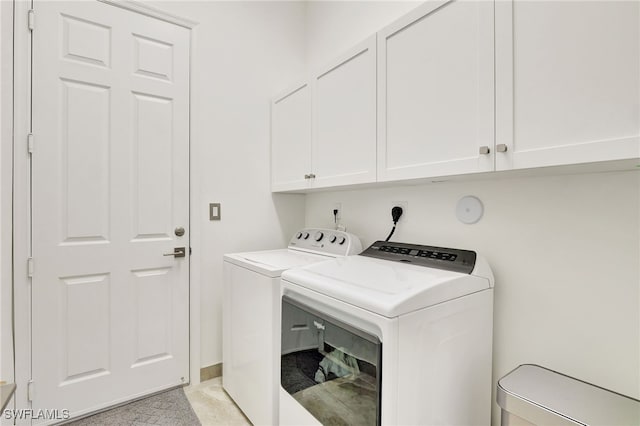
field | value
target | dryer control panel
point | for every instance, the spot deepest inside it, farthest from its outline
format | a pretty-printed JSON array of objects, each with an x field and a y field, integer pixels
[
  {"x": 432, "y": 257},
  {"x": 326, "y": 241}
]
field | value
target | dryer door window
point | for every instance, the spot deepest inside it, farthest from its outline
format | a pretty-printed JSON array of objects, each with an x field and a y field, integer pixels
[{"x": 331, "y": 368}]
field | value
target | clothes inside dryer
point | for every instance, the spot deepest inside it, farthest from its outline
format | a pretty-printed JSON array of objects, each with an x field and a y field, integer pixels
[{"x": 330, "y": 368}]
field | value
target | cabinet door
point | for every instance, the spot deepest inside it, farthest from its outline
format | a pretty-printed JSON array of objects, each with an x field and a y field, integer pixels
[
  {"x": 436, "y": 91},
  {"x": 291, "y": 139},
  {"x": 344, "y": 106},
  {"x": 568, "y": 78}
]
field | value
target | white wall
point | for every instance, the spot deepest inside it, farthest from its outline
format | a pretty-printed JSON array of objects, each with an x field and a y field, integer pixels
[
  {"x": 565, "y": 250},
  {"x": 565, "y": 254},
  {"x": 6, "y": 355},
  {"x": 244, "y": 52},
  {"x": 334, "y": 26}
]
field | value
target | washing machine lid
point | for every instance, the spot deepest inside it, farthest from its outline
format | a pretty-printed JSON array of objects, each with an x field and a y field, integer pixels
[
  {"x": 273, "y": 262},
  {"x": 385, "y": 287}
]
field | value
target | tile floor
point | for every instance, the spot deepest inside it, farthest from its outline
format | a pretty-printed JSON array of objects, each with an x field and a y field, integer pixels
[{"x": 213, "y": 406}]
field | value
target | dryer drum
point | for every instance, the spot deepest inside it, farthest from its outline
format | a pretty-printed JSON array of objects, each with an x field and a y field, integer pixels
[{"x": 333, "y": 371}]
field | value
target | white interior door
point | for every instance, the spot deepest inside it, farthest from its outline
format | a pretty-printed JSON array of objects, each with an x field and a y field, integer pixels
[{"x": 110, "y": 186}]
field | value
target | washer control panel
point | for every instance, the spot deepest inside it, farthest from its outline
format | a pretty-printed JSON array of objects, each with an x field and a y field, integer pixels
[
  {"x": 433, "y": 257},
  {"x": 326, "y": 241}
]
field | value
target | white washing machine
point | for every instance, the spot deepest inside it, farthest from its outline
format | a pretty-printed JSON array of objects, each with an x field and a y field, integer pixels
[
  {"x": 400, "y": 335},
  {"x": 251, "y": 316}
]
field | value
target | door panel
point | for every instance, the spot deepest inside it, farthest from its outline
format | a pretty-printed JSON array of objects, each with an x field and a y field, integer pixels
[
  {"x": 567, "y": 96},
  {"x": 153, "y": 58},
  {"x": 152, "y": 142},
  {"x": 86, "y": 41},
  {"x": 153, "y": 294},
  {"x": 344, "y": 109},
  {"x": 291, "y": 139},
  {"x": 85, "y": 159},
  {"x": 110, "y": 184},
  {"x": 436, "y": 91},
  {"x": 86, "y": 316}
]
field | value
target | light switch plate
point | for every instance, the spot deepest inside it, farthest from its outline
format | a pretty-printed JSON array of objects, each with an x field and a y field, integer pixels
[{"x": 214, "y": 211}]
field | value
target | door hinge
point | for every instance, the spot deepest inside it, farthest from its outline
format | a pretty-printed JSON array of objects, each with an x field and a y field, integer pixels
[
  {"x": 31, "y": 20},
  {"x": 30, "y": 267},
  {"x": 30, "y": 143},
  {"x": 30, "y": 390}
]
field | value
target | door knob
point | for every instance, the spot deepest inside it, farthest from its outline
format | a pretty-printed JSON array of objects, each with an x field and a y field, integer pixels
[
  {"x": 177, "y": 252},
  {"x": 179, "y": 231}
]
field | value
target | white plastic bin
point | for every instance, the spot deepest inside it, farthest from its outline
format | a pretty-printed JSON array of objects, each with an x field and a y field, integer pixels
[{"x": 533, "y": 395}]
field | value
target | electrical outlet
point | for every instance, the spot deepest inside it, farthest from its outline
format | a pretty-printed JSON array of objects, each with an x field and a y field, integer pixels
[
  {"x": 337, "y": 206},
  {"x": 405, "y": 208}
]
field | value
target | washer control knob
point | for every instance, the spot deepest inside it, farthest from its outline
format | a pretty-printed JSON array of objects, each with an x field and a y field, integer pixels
[
  {"x": 332, "y": 239},
  {"x": 305, "y": 235},
  {"x": 299, "y": 235},
  {"x": 341, "y": 240},
  {"x": 318, "y": 236}
]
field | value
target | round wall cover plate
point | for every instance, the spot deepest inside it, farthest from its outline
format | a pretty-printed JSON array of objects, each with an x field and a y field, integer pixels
[{"x": 469, "y": 209}]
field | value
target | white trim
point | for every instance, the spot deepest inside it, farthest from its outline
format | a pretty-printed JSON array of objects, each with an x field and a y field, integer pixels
[
  {"x": 138, "y": 7},
  {"x": 21, "y": 200},
  {"x": 6, "y": 214},
  {"x": 195, "y": 269}
]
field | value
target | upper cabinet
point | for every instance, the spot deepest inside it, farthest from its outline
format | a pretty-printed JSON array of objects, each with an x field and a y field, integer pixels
[
  {"x": 324, "y": 132},
  {"x": 291, "y": 139},
  {"x": 568, "y": 82},
  {"x": 436, "y": 91},
  {"x": 344, "y": 125},
  {"x": 458, "y": 87}
]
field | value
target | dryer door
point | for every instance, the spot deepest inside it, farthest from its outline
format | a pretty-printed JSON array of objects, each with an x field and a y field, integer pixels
[{"x": 331, "y": 368}]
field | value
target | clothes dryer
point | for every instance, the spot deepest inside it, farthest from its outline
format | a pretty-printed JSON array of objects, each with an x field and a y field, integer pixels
[{"x": 401, "y": 334}]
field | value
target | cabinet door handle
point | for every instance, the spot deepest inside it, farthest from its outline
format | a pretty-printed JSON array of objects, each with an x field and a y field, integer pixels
[
  {"x": 484, "y": 150},
  {"x": 307, "y": 176},
  {"x": 312, "y": 176},
  {"x": 501, "y": 147}
]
